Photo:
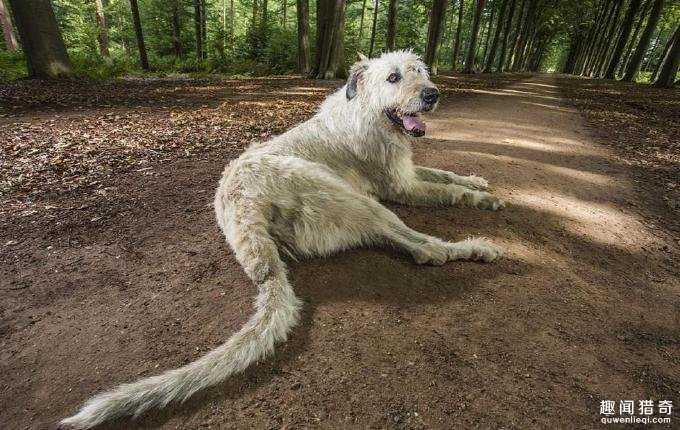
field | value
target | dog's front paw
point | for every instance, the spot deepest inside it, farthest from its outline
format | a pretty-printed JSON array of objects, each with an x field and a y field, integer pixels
[
  {"x": 476, "y": 182},
  {"x": 433, "y": 253},
  {"x": 476, "y": 249},
  {"x": 490, "y": 203},
  {"x": 483, "y": 250}
]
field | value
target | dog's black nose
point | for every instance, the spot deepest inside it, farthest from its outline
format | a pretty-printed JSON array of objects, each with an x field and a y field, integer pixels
[{"x": 430, "y": 95}]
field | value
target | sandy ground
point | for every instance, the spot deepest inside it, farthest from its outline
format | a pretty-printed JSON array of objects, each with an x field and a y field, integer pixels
[{"x": 584, "y": 307}]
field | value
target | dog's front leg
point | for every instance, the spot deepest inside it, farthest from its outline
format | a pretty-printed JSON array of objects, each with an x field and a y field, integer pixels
[
  {"x": 422, "y": 193},
  {"x": 445, "y": 177}
]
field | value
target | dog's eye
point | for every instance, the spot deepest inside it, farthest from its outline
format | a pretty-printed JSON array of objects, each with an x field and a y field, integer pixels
[{"x": 393, "y": 78}]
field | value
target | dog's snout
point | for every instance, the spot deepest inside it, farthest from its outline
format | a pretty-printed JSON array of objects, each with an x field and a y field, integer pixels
[{"x": 430, "y": 95}]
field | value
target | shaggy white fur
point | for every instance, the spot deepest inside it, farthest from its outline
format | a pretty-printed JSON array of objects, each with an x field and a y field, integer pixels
[{"x": 315, "y": 190}]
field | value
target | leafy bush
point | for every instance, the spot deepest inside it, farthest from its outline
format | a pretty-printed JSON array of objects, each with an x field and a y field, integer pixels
[{"x": 12, "y": 65}]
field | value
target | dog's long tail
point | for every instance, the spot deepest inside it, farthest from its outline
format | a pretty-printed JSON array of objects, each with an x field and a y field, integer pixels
[{"x": 277, "y": 311}]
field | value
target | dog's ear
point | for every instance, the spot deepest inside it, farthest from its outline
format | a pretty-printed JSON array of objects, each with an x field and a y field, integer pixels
[
  {"x": 362, "y": 57},
  {"x": 355, "y": 76}
]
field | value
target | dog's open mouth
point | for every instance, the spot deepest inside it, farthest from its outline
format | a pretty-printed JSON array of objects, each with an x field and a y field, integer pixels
[{"x": 409, "y": 123}]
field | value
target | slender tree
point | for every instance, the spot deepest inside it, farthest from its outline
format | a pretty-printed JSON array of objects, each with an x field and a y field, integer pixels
[
  {"x": 470, "y": 61},
  {"x": 391, "y": 25},
  {"x": 137, "y": 22},
  {"x": 493, "y": 6},
  {"x": 652, "y": 49},
  {"x": 434, "y": 31},
  {"x": 361, "y": 23},
  {"x": 41, "y": 41},
  {"x": 456, "y": 42},
  {"x": 643, "y": 44},
  {"x": 586, "y": 51},
  {"x": 496, "y": 37},
  {"x": 198, "y": 26},
  {"x": 634, "y": 38},
  {"x": 373, "y": 28},
  {"x": 176, "y": 29},
  {"x": 264, "y": 21},
  {"x": 519, "y": 22},
  {"x": 603, "y": 53},
  {"x": 232, "y": 16},
  {"x": 520, "y": 43},
  {"x": 303, "y": 36},
  {"x": 102, "y": 34},
  {"x": 599, "y": 36},
  {"x": 665, "y": 77},
  {"x": 575, "y": 43},
  {"x": 204, "y": 29},
  {"x": 8, "y": 32},
  {"x": 626, "y": 28},
  {"x": 504, "y": 44}
]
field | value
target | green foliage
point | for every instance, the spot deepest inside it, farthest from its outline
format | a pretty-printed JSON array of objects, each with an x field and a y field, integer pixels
[
  {"x": 12, "y": 65},
  {"x": 95, "y": 67},
  {"x": 251, "y": 47}
]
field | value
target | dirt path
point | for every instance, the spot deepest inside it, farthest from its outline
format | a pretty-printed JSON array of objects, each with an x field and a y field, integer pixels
[{"x": 583, "y": 308}]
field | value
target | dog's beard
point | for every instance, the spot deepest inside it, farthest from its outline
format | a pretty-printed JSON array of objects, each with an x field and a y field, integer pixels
[{"x": 409, "y": 123}]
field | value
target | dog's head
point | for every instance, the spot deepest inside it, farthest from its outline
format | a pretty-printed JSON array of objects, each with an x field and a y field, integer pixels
[{"x": 395, "y": 85}]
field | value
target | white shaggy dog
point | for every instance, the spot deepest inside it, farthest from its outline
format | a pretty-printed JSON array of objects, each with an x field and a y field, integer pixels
[{"x": 314, "y": 190}]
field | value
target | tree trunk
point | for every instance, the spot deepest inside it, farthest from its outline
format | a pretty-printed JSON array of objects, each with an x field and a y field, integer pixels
[
  {"x": 514, "y": 34},
  {"x": 391, "y": 25},
  {"x": 662, "y": 54},
  {"x": 434, "y": 31},
  {"x": 8, "y": 32},
  {"x": 665, "y": 77},
  {"x": 504, "y": 44},
  {"x": 603, "y": 54},
  {"x": 470, "y": 61},
  {"x": 303, "y": 36},
  {"x": 626, "y": 28},
  {"x": 529, "y": 48},
  {"x": 361, "y": 23},
  {"x": 46, "y": 55},
  {"x": 198, "y": 29},
  {"x": 330, "y": 29},
  {"x": 232, "y": 30},
  {"x": 582, "y": 62},
  {"x": 652, "y": 48},
  {"x": 176, "y": 28},
  {"x": 265, "y": 18},
  {"x": 571, "y": 55},
  {"x": 633, "y": 39},
  {"x": 337, "y": 61},
  {"x": 102, "y": 34},
  {"x": 599, "y": 36},
  {"x": 204, "y": 29},
  {"x": 456, "y": 43},
  {"x": 643, "y": 44},
  {"x": 224, "y": 24},
  {"x": 520, "y": 44},
  {"x": 375, "y": 22},
  {"x": 520, "y": 28},
  {"x": 496, "y": 37},
  {"x": 489, "y": 29},
  {"x": 137, "y": 22}
]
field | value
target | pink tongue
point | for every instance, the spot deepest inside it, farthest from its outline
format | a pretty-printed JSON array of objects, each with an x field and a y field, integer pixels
[{"x": 413, "y": 123}]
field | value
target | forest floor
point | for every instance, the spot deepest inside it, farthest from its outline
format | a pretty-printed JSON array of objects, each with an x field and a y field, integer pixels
[{"x": 112, "y": 266}]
